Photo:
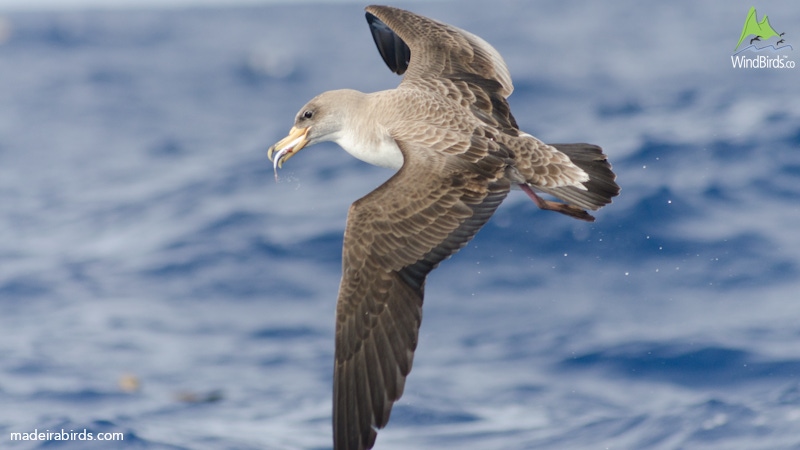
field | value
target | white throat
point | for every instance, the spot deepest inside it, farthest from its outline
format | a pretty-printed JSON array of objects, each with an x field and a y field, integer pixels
[{"x": 378, "y": 148}]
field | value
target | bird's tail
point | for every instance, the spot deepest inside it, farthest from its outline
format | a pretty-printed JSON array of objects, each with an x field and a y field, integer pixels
[{"x": 600, "y": 188}]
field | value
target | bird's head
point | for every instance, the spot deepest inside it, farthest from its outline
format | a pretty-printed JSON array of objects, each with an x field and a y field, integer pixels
[{"x": 319, "y": 120}]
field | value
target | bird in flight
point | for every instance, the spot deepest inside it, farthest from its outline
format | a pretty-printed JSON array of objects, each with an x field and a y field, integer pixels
[{"x": 449, "y": 132}]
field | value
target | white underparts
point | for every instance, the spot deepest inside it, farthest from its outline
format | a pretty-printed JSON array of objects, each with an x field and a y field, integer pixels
[{"x": 381, "y": 150}]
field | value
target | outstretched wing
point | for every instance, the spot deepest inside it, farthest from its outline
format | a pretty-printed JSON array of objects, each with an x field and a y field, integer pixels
[
  {"x": 452, "y": 62},
  {"x": 422, "y": 48},
  {"x": 394, "y": 237}
]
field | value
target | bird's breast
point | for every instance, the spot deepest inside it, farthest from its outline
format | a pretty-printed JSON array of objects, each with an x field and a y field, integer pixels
[{"x": 379, "y": 150}]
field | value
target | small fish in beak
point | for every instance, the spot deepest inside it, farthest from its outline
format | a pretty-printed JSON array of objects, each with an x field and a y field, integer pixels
[{"x": 287, "y": 147}]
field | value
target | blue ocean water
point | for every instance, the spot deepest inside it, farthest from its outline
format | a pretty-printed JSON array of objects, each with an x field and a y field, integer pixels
[{"x": 143, "y": 237}]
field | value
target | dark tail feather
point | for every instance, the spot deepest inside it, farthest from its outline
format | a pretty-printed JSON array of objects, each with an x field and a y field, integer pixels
[{"x": 600, "y": 188}]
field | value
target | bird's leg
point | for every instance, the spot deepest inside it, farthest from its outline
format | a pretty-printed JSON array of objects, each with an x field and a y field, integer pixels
[{"x": 572, "y": 211}]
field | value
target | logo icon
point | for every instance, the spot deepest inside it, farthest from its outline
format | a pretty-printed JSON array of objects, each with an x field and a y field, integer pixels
[{"x": 760, "y": 35}]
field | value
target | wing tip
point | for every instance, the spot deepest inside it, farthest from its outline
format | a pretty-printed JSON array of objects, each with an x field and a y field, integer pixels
[{"x": 392, "y": 48}]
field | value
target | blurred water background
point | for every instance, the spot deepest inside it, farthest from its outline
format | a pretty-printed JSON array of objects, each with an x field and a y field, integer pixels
[{"x": 144, "y": 240}]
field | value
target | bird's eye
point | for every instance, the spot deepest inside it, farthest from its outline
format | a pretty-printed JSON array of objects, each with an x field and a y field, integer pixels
[{"x": 308, "y": 114}]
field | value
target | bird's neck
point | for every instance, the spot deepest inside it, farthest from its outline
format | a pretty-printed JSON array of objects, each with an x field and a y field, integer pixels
[{"x": 368, "y": 140}]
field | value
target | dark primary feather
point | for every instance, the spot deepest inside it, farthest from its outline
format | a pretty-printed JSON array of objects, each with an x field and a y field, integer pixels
[{"x": 393, "y": 50}]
